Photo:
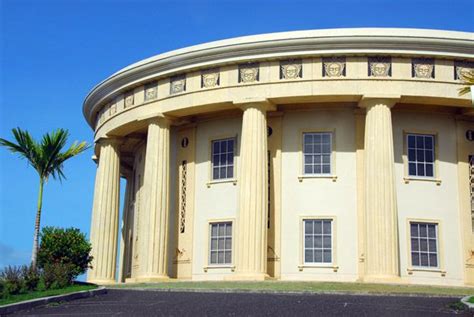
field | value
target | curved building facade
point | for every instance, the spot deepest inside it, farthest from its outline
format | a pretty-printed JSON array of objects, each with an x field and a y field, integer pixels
[{"x": 336, "y": 155}]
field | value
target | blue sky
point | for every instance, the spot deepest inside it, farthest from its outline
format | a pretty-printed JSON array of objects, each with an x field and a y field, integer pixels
[{"x": 53, "y": 52}]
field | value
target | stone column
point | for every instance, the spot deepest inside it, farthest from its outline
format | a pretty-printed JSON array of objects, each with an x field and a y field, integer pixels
[
  {"x": 154, "y": 221},
  {"x": 381, "y": 223},
  {"x": 251, "y": 237},
  {"x": 104, "y": 227}
]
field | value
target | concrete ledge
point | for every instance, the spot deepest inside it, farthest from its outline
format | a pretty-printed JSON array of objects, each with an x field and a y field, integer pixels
[
  {"x": 29, "y": 304},
  {"x": 470, "y": 306}
]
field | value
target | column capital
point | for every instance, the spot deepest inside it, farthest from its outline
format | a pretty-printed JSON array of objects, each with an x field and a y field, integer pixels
[
  {"x": 112, "y": 140},
  {"x": 262, "y": 104},
  {"x": 388, "y": 100},
  {"x": 157, "y": 118}
]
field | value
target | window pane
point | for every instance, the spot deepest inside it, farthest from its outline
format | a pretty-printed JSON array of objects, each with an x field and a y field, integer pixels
[
  {"x": 213, "y": 257},
  {"x": 317, "y": 138},
  {"x": 223, "y": 146},
  {"x": 228, "y": 244},
  {"x": 423, "y": 232},
  {"x": 326, "y": 148},
  {"x": 308, "y": 138},
  {"x": 415, "y": 259},
  {"x": 326, "y": 138},
  {"x": 327, "y": 256},
  {"x": 308, "y": 226},
  {"x": 318, "y": 242},
  {"x": 432, "y": 231},
  {"x": 230, "y": 145},
  {"x": 411, "y": 155},
  {"x": 213, "y": 244},
  {"x": 420, "y": 144},
  {"x": 308, "y": 242},
  {"x": 308, "y": 256},
  {"x": 215, "y": 173},
  {"x": 317, "y": 149},
  {"x": 429, "y": 170},
  {"x": 222, "y": 172},
  {"x": 308, "y": 159},
  {"x": 429, "y": 142},
  {"x": 221, "y": 229},
  {"x": 326, "y": 159},
  {"x": 423, "y": 245},
  {"x": 215, "y": 147},
  {"x": 420, "y": 155},
  {"x": 433, "y": 260},
  {"x": 429, "y": 156},
  {"x": 424, "y": 259},
  {"x": 228, "y": 257},
  {"x": 432, "y": 245},
  {"x": 412, "y": 169},
  {"x": 415, "y": 246},
  {"x": 318, "y": 256},
  {"x": 421, "y": 169},
  {"x": 327, "y": 242},
  {"x": 230, "y": 158},
  {"x": 317, "y": 227},
  {"x": 220, "y": 257},
  {"x": 326, "y": 227},
  {"x": 326, "y": 169},
  {"x": 317, "y": 159},
  {"x": 317, "y": 169},
  {"x": 414, "y": 230},
  {"x": 411, "y": 141},
  {"x": 308, "y": 169},
  {"x": 214, "y": 230},
  {"x": 220, "y": 243},
  {"x": 308, "y": 148},
  {"x": 230, "y": 172}
]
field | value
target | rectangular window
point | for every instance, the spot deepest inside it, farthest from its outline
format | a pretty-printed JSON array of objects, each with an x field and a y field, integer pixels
[
  {"x": 318, "y": 241},
  {"x": 223, "y": 158},
  {"x": 421, "y": 155},
  {"x": 424, "y": 244},
  {"x": 317, "y": 151},
  {"x": 221, "y": 243}
]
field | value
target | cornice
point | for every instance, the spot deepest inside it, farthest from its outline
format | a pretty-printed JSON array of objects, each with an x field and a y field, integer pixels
[{"x": 413, "y": 42}]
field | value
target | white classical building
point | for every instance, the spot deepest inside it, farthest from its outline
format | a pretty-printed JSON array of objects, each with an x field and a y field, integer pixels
[{"x": 336, "y": 155}]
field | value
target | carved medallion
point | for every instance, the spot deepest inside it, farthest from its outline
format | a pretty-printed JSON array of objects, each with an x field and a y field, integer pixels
[
  {"x": 113, "y": 109},
  {"x": 334, "y": 67},
  {"x": 461, "y": 69},
  {"x": 423, "y": 68},
  {"x": 291, "y": 69},
  {"x": 210, "y": 78},
  {"x": 248, "y": 73},
  {"x": 177, "y": 84},
  {"x": 380, "y": 67},
  {"x": 151, "y": 91},
  {"x": 129, "y": 98}
]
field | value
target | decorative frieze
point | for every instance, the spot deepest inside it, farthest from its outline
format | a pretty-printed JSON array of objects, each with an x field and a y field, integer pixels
[
  {"x": 422, "y": 68},
  {"x": 380, "y": 66},
  {"x": 177, "y": 84},
  {"x": 210, "y": 78},
  {"x": 112, "y": 109},
  {"x": 334, "y": 67},
  {"x": 151, "y": 91},
  {"x": 291, "y": 69},
  {"x": 462, "y": 68},
  {"x": 129, "y": 99},
  {"x": 249, "y": 73}
]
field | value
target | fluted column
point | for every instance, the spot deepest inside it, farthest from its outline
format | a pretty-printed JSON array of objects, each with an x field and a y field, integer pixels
[
  {"x": 251, "y": 242},
  {"x": 382, "y": 259},
  {"x": 154, "y": 221},
  {"x": 104, "y": 227}
]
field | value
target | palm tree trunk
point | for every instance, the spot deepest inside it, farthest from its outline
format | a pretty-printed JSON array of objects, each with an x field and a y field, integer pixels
[{"x": 34, "y": 253}]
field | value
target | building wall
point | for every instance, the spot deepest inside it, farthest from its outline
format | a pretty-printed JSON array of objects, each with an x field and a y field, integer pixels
[{"x": 319, "y": 197}]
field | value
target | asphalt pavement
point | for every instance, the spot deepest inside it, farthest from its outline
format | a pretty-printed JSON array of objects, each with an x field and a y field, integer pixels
[{"x": 159, "y": 303}]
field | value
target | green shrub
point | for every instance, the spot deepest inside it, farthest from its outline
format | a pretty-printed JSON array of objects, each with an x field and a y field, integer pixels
[
  {"x": 3, "y": 294},
  {"x": 13, "y": 280},
  {"x": 31, "y": 277},
  {"x": 64, "y": 249},
  {"x": 57, "y": 275}
]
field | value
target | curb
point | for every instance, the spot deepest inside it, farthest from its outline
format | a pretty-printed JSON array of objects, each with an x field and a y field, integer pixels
[
  {"x": 29, "y": 304},
  {"x": 278, "y": 292},
  {"x": 469, "y": 306}
]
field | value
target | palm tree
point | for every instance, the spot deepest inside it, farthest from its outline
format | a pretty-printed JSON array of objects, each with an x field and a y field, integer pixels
[{"x": 47, "y": 159}]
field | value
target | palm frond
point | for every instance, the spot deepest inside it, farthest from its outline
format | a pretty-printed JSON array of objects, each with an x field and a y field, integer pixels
[
  {"x": 25, "y": 147},
  {"x": 467, "y": 79}
]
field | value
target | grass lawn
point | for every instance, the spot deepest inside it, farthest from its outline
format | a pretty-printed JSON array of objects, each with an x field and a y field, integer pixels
[
  {"x": 45, "y": 293},
  {"x": 279, "y": 286}
]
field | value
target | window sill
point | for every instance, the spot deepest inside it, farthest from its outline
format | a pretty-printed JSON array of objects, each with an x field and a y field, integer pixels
[
  {"x": 328, "y": 176},
  {"x": 219, "y": 266},
  {"x": 427, "y": 269},
  {"x": 222, "y": 181},
  {"x": 334, "y": 267},
  {"x": 409, "y": 179}
]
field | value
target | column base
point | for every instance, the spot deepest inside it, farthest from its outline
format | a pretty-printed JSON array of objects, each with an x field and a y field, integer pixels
[
  {"x": 102, "y": 282},
  {"x": 247, "y": 277},
  {"x": 382, "y": 279},
  {"x": 149, "y": 279}
]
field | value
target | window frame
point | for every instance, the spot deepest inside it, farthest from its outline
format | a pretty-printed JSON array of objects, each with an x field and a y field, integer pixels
[
  {"x": 440, "y": 247},
  {"x": 318, "y": 265},
  {"x": 332, "y": 174},
  {"x": 233, "y": 179},
  {"x": 407, "y": 177},
  {"x": 207, "y": 249}
]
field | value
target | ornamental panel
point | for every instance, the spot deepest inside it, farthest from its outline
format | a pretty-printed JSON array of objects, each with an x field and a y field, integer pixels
[
  {"x": 380, "y": 66},
  {"x": 177, "y": 84},
  {"x": 210, "y": 78},
  {"x": 291, "y": 69},
  {"x": 151, "y": 91},
  {"x": 249, "y": 73},
  {"x": 182, "y": 210},
  {"x": 422, "y": 68},
  {"x": 462, "y": 68},
  {"x": 129, "y": 99},
  {"x": 334, "y": 67}
]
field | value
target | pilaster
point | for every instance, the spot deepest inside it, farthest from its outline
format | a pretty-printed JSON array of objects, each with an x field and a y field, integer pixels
[
  {"x": 104, "y": 227},
  {"x": 381, "y": 223},
  {"x": 154, "y": 221}
]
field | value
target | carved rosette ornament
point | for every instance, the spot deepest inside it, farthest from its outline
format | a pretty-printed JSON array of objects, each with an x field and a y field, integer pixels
[
  {"x": 291, "y": 69},
  {"x": 380, "y": 66},
  {"x": 461, "y": 69},
  {"x": 129, "y": 99},
  {"x": 334, "y": 67},
  {"x": 151, "y": 91},
  {"x": 423, "y": 68},
  {"x": 177, "y": 84},
  {"x": 210, "y": 78},
  {"x": 248, "y": 73},
  {"x": 112, "y": 109}
]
